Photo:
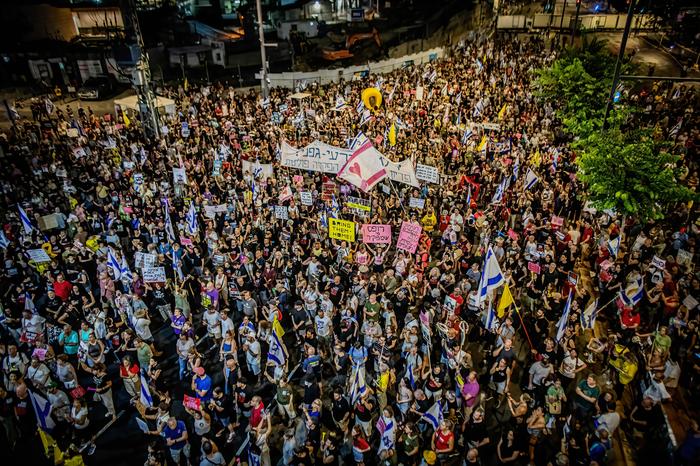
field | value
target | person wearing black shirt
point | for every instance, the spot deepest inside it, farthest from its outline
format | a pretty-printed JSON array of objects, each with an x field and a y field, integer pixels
[
  {"x": 336, "y": 290},
  {"x": 340, "y": 410}
]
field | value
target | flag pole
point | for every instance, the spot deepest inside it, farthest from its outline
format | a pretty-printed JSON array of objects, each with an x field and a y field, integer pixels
[{"x": 522, "y": 322}]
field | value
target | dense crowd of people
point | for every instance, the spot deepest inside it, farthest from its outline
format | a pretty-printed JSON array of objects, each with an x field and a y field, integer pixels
[{"x": 267, "y": 341}]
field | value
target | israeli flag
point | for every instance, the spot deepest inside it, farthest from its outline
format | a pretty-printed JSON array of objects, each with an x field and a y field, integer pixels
[
  {"x": 192, "y": 226},
  {"x": 50, "y": 107},
  {"x": 4, "y": 242},
  {"x": 490, "y": 321},
  {"x": 114, "y": 264},
  {"x": 146, "y": 398},
  {"x": 676, "y": 128},
  {"x": 340, "y": 103},
  {"x": 277, "y": 353},
  {"x": 358, "y": 387},
  {"x": 555, "y": 161},
  {"x": 28, "y": 227},
  {"x": 564, "y": 319},
  {"x": 358, "y": 109},
  {"x": 29, "y": 303},
  {"x": 177, "y": 267},
  {"x": 168, "y": 222},
  {"x": 126, "y": 275},
  {"x": 42, "y": 409},
  {"x": 633, "y": 293},
  {"x": 466, "y": 135},
  {"x": 366, "y": 116},
  {"x": 530, "y": 179},
  {"x": 469, "y": 197},
  {"x": 500, "y": 190},
  {"x": 109, "y": 221},
  {"x": 516, "y": 168},
  {"x": 386, "y": 428},
  {"x": 359, "y": 141},
  {"x": 409, "y": 375},
  {"x": 614, "y": 246},
  {"x": 434, "y": 416},
  {"x": 491, "y": 276},
  {"x": 589, "y": 315}
]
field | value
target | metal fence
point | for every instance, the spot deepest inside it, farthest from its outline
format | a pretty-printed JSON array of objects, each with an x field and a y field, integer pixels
[{"x": 586, "y": 23}]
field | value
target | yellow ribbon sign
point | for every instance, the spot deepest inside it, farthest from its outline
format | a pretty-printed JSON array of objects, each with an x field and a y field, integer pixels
[{"x": 341, "y": 229}]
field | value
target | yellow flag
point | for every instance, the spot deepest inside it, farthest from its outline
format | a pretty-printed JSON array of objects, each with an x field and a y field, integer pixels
[
  {"x": 482, "y": 144},
  {"x": 127, "y": 122},
  {"x": 186, "y": 85},
  {"x": 536, "y": 157},
  {"x": 392, "y": 135},
  {"x": 502, "y": 112},
  {"x": 277, "y": 328},
  {"x": 506, "y": 300},
  {"x": 50, "y": 446}
]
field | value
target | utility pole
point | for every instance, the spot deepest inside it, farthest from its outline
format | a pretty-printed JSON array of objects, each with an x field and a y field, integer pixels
[
  {"x": 147, "y": 107},
  {"x": 575, "y": 26},
  {"x": 618, "y": 63},
  {"x": 561, "y": 25},
  {"x": 261, "y": 32}
]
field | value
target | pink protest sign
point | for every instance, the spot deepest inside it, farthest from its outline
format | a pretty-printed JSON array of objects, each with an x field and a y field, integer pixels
[
  {"x": 185, "y": 241},
  {"x": 533, "y": 267},
  {"x": 409, "y": 236},
  {"x": 512, "y": 235},
  {"x": 191, "y": 402},
  {"x": 376, "y": 234},
  {"x": 557, "y": 221}
]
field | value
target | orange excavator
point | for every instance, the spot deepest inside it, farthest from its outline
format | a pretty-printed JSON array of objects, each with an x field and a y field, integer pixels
[{"x": 353, "y": 42}]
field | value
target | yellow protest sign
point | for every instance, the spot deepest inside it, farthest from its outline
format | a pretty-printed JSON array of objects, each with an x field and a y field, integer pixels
[{"x": 341, "y": 229}]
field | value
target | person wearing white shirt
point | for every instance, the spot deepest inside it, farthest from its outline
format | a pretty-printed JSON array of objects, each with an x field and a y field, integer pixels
[
  {"x": 38, "y": 373},
  {"x": 226, "y": 323}
]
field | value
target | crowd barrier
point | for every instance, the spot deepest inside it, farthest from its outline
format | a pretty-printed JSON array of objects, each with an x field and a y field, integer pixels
[
  {"x": 586, "y": 22},
  {"x": 295, "y": 80}
]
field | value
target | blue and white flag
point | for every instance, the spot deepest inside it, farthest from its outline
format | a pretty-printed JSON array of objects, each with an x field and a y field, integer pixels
[
  {"x": 4, "y": 242},
  {"x": 50, "y": 107},
  {"x": 469, "y": 196},
  {"x": 29, "y": 303},
  {"x": 434, "y": 415},
  {"x": 676, "y": 129},
  {"x": 26, "y": 223},
  {"x": 614, "y": 246},
  {"x": 109, "y": 221},
  {"x": 409, "y": 375},
  {"x": 530, "y": 179},
  {"x": 126, "y": 275},
  {"x": 491, "y": 276},
  {"x": 500, "y": 190},
  {"x": 555, "y": 161},
  {"x": 589, "y": 315},
  {"x": 114, "y": 264},
  {"x": 145, "y": 397},
  {"x": 358, "y": 109},
  {"x": 277, "y": 353},
  {"x": 564, "y": 319},
  {"x": 633, "y": 293},
  {"x": 358, "y": 141},
  {"x": 490, "y": 321},
  {"x": 340, "y": 103},
  {"x": 42, "y": 409},
  {"x": 386, "y": 427},
  {"x": 358, "y": 387},
  {"x": 168, "y": 222},
  {"x": 466, "y": 135},
  {"x": 516, "y": 168},
  {"x": 192, "y": 226},
  {"x": 177, "y": 266},
  {"x": 365, "y": 117}
]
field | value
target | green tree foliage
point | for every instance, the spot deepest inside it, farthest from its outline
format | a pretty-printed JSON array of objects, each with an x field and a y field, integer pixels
[{"x": 624, "y": 169}]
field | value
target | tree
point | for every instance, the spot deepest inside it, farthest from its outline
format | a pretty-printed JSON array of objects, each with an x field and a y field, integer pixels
[
  {"x": 636, "y": 178},
  {"x": 624, "y": 168}
]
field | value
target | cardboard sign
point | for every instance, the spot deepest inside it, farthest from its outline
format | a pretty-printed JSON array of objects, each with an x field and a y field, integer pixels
[
  {"x": 48, "y": 222},
  {"x": 409, "y": 236},
  {"x": 685, "y": 258},
  {"x": 376, "y": 234},
  {"x": 191, "y": 402},
  {"x": 358, "y": 203},
  {"x": 154, "y": 274},
  {"x": 144, "y": 260},
  {"x": 690, "y": 303},
  {"x": 179, "y": 176},
  {"x": 329, "y": 190},
  {"x": 306, "y": 198},
  {"x": 416, "y": 203},
  {"x": 281, "y": 212},
  {"x": 341, "y": 229},
  {"x": 534, "y": 267},
  {"x": 658, "y": 262},
  {"x": 38, "y": 255},
  {"x": 428, "y": 173}
]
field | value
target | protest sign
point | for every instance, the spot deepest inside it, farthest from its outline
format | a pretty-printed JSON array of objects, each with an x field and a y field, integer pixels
[
  {"x": 376, "y": 234},
  {"x": 450, "y": 304},
  {"x": 179, "y": 176},
  {"x": 48, "y": 222},
  {"x": 341, "y": 229},
  {"x": 144, "y": 260},
  {"x": 685, "y": 258},
  {"x": 409, "y": 236},
  {"x": 38, "y": 255},
  {"x": 427, "y": 173},
  {"x": 306, "y": 198},
  {"x": 416, "y": 203},
  {"x": 328, "y": 191},
  {"x": 534, "y": 267},
  {"x": 658, "y": 262},
  {"x": 316, "y": 157},
  {"x": 358, "y": 203},
  {"x": 191, "y": 402},
  {"x": 257, "y": 169},
  {"x": 154, "y": 274},
  {"x": 281, "y": 212}
]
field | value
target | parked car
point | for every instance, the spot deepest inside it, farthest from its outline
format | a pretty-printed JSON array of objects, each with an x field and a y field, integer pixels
[{"x": 97, "y": 88}]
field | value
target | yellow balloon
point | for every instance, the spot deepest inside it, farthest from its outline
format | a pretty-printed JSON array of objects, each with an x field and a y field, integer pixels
[{"x": 372, "y": 98}]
